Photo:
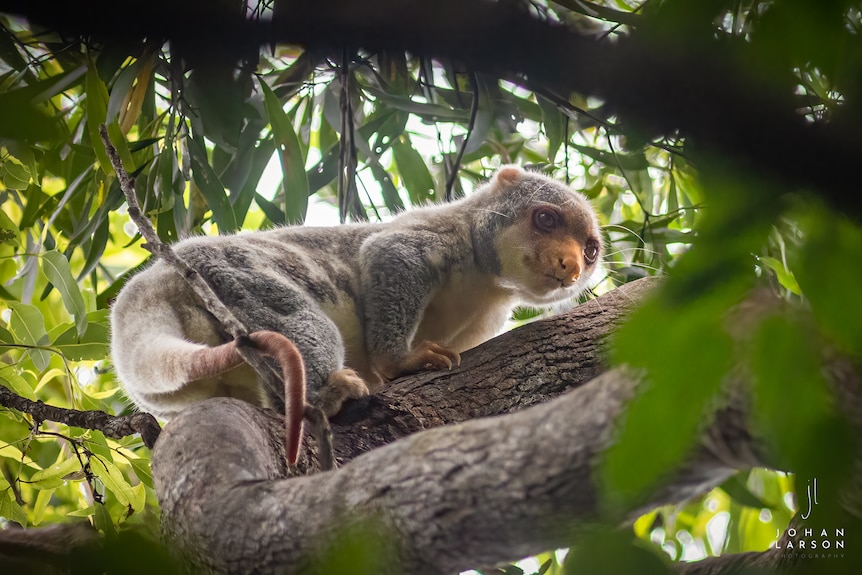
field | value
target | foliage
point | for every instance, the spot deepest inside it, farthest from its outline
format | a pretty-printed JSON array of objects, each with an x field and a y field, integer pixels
[{"x": 283, "y": 135}]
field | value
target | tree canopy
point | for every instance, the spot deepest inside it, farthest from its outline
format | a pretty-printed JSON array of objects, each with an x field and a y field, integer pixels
[{"x": 716, "y": 140}]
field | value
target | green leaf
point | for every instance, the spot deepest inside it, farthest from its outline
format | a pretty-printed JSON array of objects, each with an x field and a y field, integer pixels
[
  {"x": 486, "y": 113},
  {"x": 56, "y": 268},
  {"x": 628, "y": 162},
  {"x": 737, "y": 491},
  {"x": 270, "y": 210},
  {"x": 97, "y": 246},
  {"x": 8, "y": 230},
  {"x": 97, "y": 331},
  {"x": 85, "y": 512},
  {"x": 832, "y": 242},
  {"x": 119, "y": 141},
  {"x": 210, "y": 186},
  {"x": 53, "y": 477},
  {"x": 103, "y": 522},
  {"x": 294, "y": 181},
  {"x": 15, "y": 176},
  {"x": 685, "y": 353},
  {"x": 417, "y": 179},
  {"x": 431, "y": 112},
  {"x": 609, "y": 551},
  {"x": 10, "y": 510},
  {"x": 793, "y": 402},
  {"x": 28, "y": 326},
  {"x": 525, "y": 313},
  {"x": 41, "y": 505},
  {"x": 142, "y": 470},
  {"x": 9, "y": 451},
  {"x": 390, "y": 193},
  {"x": 113, "y": 479},
  {"x": 84, "y": 351},
  {"x": 555, "y": 125},
  {"x": 97, "y": 442},
  {"x": 6, "y": 336},
  {"x": 785, "y": 276},
  {"x": 16, "y": 383},
  {"x": 97, "y": 110}
]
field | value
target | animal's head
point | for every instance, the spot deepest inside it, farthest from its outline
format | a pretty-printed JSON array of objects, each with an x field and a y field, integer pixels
[{"x": 546, "y": 235}]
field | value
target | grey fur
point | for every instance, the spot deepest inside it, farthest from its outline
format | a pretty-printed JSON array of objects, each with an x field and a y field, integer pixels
[{"x": 356, "y": 293}]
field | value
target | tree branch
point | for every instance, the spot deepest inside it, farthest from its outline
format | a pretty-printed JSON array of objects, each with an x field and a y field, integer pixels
[
  {"x": 45, "y": 549},
  {"x": 479, "y": 492},
  {"x": 526, "y": 477},
  {"x": 520, "y": 368},
  {"x": 112, "y": 426},
  {"x": 211, "y": 302}
]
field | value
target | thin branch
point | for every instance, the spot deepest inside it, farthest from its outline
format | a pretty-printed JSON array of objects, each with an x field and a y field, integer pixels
[
  {"x": 111, "y": 425},
  {"x": 210, "y": 300},
  {"x": 271, "y": 378},
  {"x": 474, "y": 109},
  {"x": 160, "y": 249}
]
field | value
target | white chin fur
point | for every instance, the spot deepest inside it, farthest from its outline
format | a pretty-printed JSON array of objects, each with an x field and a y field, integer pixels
[
  {"x": 537, "y": 296},
  {"x": 553, "y": 296}
]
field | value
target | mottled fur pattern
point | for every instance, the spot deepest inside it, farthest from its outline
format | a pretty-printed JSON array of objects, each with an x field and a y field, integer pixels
[{"x": 363, "y": 303}]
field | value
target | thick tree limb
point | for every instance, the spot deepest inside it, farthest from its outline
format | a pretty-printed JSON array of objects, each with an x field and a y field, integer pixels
[
  {"x": 475, "y": 492},
  {"x": 518, "y": 369},
  {"x": 480, "y": 492},
  {"x": 46, "y": 549}
]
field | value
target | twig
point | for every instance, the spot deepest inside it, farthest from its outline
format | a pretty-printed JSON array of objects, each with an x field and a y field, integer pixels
[
  {"x": 111, "y": 425},
  {"x": 160, "y": 249},
  {"x": 211, "y": 301},
  {"x": 271, "y": 379},
  {"x": 474, "y": 109}
]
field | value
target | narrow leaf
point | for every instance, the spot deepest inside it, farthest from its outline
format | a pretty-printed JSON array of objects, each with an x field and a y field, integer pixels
[
  {"x": 56, "y": 267},
  {"x": 97, "y": 111},
  {"x": 113, "y": 480},
  {"x": 417, "y": 179},
  {"x": 28, "y": 326},
  {"x": 294, "y": 181},
  {"x": 211, "y": 188},
  {"x": 16, "y": 383},
  {"x": 555, "y": 123},
  {"x": 41, "y": 505}
]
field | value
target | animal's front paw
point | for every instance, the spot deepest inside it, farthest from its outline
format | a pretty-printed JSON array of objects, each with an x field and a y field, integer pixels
[
  {"x": 428, "y": 355},
  {"x": 431, "y": 355},
  {"x": 341, "y": 385}
]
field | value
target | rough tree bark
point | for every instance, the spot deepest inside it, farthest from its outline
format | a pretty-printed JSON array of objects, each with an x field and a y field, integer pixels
[{"x": 445, "y": 499}]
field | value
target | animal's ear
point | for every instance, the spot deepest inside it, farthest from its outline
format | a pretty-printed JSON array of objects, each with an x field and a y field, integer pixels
[{"x": 509, "y": 174}]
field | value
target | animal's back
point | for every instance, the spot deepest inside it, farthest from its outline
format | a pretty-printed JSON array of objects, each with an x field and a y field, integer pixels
[{"x": 157, "y": 320}]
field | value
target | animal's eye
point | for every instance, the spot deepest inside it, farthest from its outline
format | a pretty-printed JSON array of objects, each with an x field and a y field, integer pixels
[
  {"x": 591, "y": 251},
  {"x": 545, "y": 219}
]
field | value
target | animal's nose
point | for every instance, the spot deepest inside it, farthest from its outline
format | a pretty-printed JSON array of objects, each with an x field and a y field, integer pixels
[{"x": 570, "y": 269}]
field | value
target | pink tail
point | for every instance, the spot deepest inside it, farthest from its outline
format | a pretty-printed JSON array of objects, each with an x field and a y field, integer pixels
[{"x": 215, "y": 360}]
